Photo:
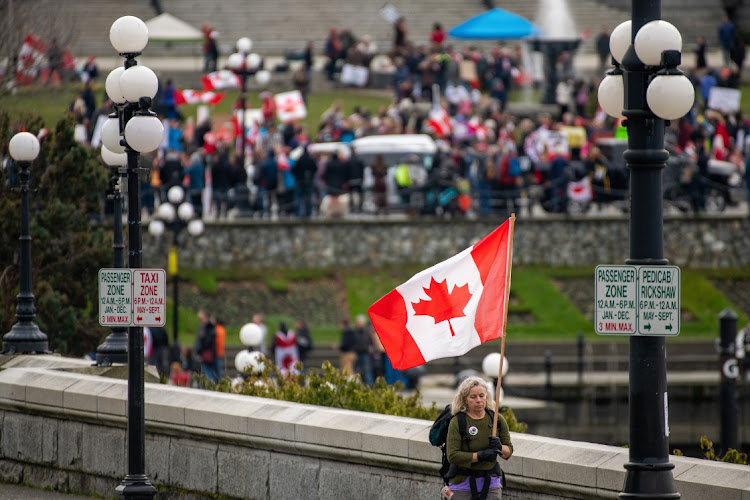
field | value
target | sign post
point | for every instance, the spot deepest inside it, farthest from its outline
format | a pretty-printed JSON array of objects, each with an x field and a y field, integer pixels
[{"x": 637, "y": 300}]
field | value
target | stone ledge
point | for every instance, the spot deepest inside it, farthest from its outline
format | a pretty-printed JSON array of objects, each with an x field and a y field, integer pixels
[{"x": 242, "y": 424}]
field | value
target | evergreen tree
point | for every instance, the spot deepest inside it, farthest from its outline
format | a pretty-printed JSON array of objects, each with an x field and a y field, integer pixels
[{"x": 69, "y": 243}]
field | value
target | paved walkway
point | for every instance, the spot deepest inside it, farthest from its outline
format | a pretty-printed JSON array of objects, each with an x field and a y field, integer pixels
[{"x": 17, "y": 492}]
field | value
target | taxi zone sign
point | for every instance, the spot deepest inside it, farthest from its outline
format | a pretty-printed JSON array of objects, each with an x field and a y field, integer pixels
[{"x": 132, "y": 297}]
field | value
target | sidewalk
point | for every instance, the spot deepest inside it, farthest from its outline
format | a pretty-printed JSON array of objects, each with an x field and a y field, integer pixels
[{"x": 18, "y": 492}]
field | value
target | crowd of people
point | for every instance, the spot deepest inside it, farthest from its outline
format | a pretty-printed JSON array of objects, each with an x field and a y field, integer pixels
[{"x": 487, "y": 159}]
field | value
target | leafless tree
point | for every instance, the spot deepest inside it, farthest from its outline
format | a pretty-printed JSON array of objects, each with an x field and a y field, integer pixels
[{"x": 46, "y": 19}]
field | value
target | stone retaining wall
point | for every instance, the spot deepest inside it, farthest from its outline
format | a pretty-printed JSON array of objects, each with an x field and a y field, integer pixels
[
  {"x": 67, "y": 431},
  {"x": 705, "y": 242}
]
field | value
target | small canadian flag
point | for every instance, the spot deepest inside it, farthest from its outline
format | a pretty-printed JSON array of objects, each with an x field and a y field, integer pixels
[
  {"x": 450, "y": 308},
  {"x": 188, "y": 96},
  {"x": 220, "y": 80}
]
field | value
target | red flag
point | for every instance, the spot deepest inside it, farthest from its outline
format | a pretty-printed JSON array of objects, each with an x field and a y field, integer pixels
[
  {"x": 188, "y": 96},
  {"x": 30, "y": 59},
  {"x": 440, "y": 122},
  {"x": 220, "y": 80},
  {"x": 450, "y": 308}
]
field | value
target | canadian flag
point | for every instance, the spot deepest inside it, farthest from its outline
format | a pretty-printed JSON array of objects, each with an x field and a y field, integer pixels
[
  {"x": 450, "y": 308},
  {"x": 440, "y": 122},
  {"x": 220, "y": 80},
  {"x": 31, "y": 57},
  {"x": 188, "y": 96}
]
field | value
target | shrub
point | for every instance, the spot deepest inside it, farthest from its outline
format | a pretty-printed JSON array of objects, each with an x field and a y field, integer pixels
[{"x": 330, "y": 387}]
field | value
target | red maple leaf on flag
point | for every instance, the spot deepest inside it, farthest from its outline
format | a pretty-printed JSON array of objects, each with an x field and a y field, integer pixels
[{"x": 444, "y": 305}]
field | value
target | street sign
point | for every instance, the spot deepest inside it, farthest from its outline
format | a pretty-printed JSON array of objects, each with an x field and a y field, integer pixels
[
  {"x": 658, "y": 300},
  {"x": 637, "y": 300},
  {"x": 149, "y": 297},
  {"x": 132, "y": 297},
  {"x": 615, "y": 309},
  {"x": 115, "y": 297}
]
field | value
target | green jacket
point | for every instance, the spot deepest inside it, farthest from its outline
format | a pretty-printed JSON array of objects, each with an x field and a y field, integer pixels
[{"x": 457, "y": 451}]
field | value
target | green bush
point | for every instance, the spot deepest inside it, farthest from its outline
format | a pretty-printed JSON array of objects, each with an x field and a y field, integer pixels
[
  {"x": 330, "y": 387},
  {"x": 732, "y": 456}
]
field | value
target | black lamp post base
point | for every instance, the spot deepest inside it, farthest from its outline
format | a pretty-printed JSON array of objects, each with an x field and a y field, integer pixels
[
  {"x": 113, "y": 350},
  {"x": 651, "y": 481},
  {"x": 25, "y": 337},
  {"x": 136, "y": 487}
]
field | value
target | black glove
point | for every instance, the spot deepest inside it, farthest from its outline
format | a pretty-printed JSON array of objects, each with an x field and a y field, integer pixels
[
  {"x": 488, "y": 455},
  {"x": 495, "y": 442}
]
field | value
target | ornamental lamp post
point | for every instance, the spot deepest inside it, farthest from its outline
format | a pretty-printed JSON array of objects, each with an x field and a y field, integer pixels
[
  {"x": 175, "y": 214},
  {"x": 647, "y": 89},
  {"x": 132, "y": 88},
  {"x": 114, "y": 349},
  {"x": 25, "y": 336},
  {"x": 243, "y": 64}
]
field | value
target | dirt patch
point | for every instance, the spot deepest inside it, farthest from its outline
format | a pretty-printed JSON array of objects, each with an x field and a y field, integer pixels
[
  {"x": 319, "y": 302},
  {"x": 738, "y": 293}
]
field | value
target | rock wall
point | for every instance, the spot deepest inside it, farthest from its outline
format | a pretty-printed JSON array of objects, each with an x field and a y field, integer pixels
[
  {"x": 66, "y": 431},
  {"x": 705, "y": 242}
]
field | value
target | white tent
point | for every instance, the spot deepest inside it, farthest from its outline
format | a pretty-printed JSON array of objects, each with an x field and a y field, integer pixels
[{"x": 167, "y": 28}]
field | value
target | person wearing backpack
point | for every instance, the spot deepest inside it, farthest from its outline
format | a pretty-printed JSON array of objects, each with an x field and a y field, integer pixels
[{"x": 470, "y": 446}]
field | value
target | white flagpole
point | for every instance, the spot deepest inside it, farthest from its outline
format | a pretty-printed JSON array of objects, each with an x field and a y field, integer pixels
[{"x": 509, "y": 266}]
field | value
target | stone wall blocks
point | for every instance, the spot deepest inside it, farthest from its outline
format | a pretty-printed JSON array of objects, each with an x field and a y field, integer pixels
[
  {"x": 103, "y": 450},
  {"x": 13, "y": 383},
  {"x": 193, "y": 465},
  {"x": 82, "y": 395},
  {"x": 70, "y": 445}
]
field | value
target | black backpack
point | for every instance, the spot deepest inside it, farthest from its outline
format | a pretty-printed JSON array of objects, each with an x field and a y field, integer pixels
[{"x": 439, "y": 432}]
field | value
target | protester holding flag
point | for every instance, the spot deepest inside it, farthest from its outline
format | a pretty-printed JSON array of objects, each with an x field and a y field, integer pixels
[{"x": 473, "y": 451}]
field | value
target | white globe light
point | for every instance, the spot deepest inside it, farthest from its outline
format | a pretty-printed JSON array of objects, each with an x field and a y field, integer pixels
[
  {"x": 242, "y": 361},
  {"x": 24, "y": 146},
  {"x": 156, "y": 228},
  {"x": 491, "y": 365},
  {"x": 128, "y": 35},
  {"x": 144, "y": 133},
  {"x": 655, "y": 37},
  {"x": 176, "y": 194},
  {"x": 251, "y": 334},
  {"x": 111, "y": 136},
  {"x": 166, "y": 211},
  {"x": 112, "y": 85},
  {"x": 195, "y": 227},
  {"x": 252, "y": 60},
  {"x": 186, "y": 211},
  {"x": 114, "y": 159},
  {"x": 244, "y": 44},
  {"x": 263, "y": 76},
  {"x": 620, "y": 40},
  {"x": 612, "y": 95},
  {"x": 257, "y": 361},
  {"x": 670, "y": 96},
  {"x": 137, "y": 82},
  {"x": 235, "y": 61}
]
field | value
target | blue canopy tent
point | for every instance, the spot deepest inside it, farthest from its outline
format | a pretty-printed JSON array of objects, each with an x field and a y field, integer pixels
[{"x": 495, "y": 24}]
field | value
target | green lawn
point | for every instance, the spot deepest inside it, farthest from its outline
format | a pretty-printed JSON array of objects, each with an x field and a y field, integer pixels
[
  {"x": 540, "y": 307},
  {"x": 52, "y": 103}
]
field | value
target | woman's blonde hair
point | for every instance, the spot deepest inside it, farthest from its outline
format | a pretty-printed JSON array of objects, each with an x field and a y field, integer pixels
[{"x": 459, "y": 400}]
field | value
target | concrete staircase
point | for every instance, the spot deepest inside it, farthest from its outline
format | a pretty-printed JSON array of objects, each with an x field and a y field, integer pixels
[{"x": 280, "y": 25}]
